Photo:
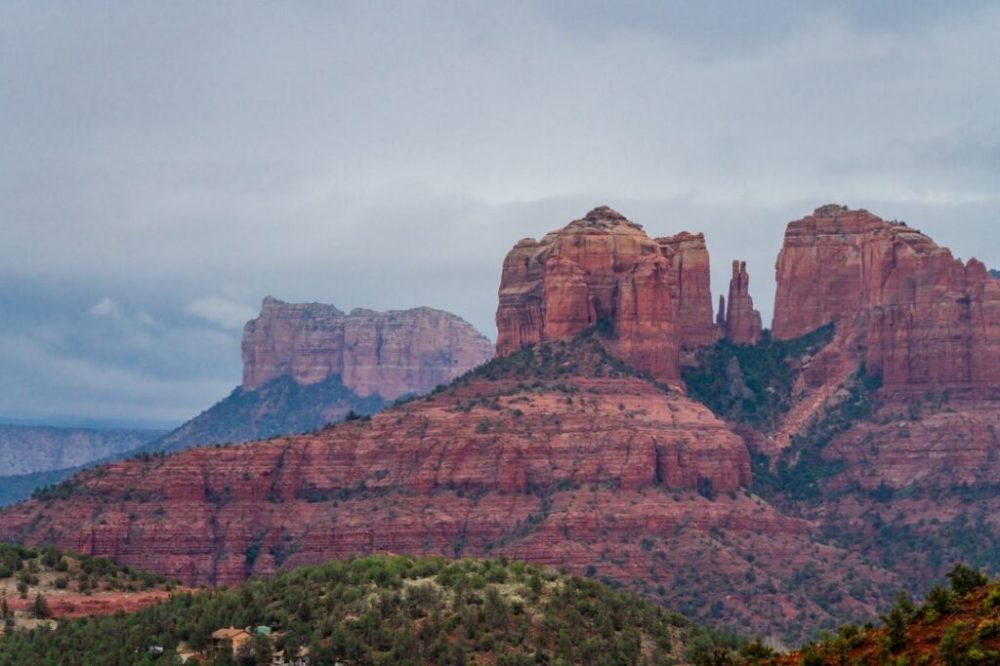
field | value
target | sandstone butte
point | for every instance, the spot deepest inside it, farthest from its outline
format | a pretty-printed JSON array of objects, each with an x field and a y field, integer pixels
[
  {"x": 603, "y": 271},
  {"x": 388, "y": 354},
  {"x": 912, "y": 483},
  {"x": 927, "y": 321},
  {"x": 557, "y": 452}
]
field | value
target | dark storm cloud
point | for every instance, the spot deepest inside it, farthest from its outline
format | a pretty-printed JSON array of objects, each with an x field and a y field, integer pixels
[{"x": 166, "y": 165}]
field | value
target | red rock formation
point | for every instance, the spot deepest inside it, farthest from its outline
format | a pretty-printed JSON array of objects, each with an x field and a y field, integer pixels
[
  {"x": 388, "y": 354},
  {"x": 586, "y": 468},
  {"x": 600, "y": 271},
  {"x": 690, "y": 259},
  {"x": 924, "y": 320},
  {"x": 743, "y": 322},
  {"x": 653, "y": 296}
]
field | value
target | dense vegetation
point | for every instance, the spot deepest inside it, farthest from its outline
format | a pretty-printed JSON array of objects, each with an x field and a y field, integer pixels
[
  {"x": 802, "y": 467},
  {"x": 36, "y": 570},
  {"x": 956, "y": 626},
  {"x": 389, "y": 610},
  {"x": 752, "y": 384}
]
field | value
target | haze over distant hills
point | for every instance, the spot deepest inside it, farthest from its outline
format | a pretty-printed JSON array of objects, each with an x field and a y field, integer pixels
[
  {"x": 32, "y": 455},
  {"x": 305, "y": 366},
  {"x": 308, "y": 365}
]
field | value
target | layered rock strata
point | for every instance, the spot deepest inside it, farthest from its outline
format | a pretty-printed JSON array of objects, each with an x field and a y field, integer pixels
[
  {"x": 922, "y": 319},
  {"x": 692, "y": 268},
  {"x": 652, "y": 297},
  {"x": 600, "y": 271},
  {"x": 556, "y": 455},
  {"x": 388, "y": 354}
]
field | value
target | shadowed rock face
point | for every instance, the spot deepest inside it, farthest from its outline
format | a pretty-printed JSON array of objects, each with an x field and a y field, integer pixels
[
  {"x": 388, "y": 354},
  {"x": 923, "y": 319}
]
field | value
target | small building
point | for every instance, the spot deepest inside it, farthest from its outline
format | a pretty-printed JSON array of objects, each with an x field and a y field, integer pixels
[{"x": 231, "y": 639}]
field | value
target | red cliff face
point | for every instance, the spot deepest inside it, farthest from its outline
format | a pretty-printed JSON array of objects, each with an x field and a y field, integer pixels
[
  {"x": 924, "y": 320},
  {"x": 689, "y": 255},
  {"x": 743, "y": 323},
  {"x": 652, "y": 296},
  {"x": 600, "y": 271},
  {"x": 388, "y": 354},
  {"x": 554, "y": 457}
]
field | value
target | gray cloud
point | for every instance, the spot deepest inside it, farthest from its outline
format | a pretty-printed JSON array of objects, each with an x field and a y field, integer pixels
[{"x": 169, "y": 164}]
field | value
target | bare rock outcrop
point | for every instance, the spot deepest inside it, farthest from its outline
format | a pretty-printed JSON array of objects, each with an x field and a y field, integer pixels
[
  {"x": 743, "y": 323},
  {"x": 692, "y": 267},
  {"x": 388, "y": 354},
  {"x": 922, "y": 319},
  {"x": 652, "y": 297}
]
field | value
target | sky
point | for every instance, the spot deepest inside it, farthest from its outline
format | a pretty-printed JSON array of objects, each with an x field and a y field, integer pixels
[{"x": 164, "y": 166}]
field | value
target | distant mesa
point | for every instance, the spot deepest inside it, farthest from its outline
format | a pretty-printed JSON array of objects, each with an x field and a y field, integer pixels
[
  {"x": 28, "y": 449},
  {"x": 388, "y": 354},
  {"x": 306, "y": 365}
]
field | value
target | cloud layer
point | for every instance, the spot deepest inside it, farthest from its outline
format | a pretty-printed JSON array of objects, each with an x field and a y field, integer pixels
[{"x": 166, "y": 165}]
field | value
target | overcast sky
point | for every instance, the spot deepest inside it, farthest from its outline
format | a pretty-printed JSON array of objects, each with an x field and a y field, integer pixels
[{"x": 165, "y": 165}]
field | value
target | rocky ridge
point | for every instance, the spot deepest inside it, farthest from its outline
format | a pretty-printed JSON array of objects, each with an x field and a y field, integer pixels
[
  {"x": 33, "y": 449},
  {"x": 557, "y": 454},
  {"x": 890, "y": 445}
]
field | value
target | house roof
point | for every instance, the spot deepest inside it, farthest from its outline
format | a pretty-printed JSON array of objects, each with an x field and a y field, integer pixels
[{"x": 228, "y": 634}]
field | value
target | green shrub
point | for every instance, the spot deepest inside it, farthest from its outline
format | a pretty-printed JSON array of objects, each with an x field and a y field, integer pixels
[{"x": 964, "y": 579}]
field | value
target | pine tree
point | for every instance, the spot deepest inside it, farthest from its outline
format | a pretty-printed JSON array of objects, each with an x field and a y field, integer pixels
[{"x": 40, "y": 608}]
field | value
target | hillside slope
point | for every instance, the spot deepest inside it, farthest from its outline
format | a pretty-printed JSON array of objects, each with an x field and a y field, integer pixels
[
  {"x": 556, "y": 455},
  {"x": 955, "y": 626},
  {"x": 390, "y": 610}
]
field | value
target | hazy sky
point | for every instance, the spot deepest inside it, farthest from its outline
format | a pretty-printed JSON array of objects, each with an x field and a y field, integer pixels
[{"x": 165, "y": 165}]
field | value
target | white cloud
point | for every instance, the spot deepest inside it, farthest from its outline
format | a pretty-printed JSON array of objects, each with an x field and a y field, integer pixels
[
  {"x": 222, "y": 312},
  {"x": 106, "y": 307},
  {"x": 191, "y": 158}
]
